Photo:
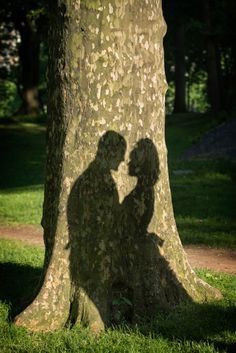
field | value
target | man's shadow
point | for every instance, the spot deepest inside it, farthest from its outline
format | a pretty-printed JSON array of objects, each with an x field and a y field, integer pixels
[{"x": 92, "y": 209}]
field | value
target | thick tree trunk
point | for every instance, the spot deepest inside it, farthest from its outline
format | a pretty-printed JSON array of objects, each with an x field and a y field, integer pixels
[
  {"x": 29, "y": 68},
  {"x": 109, "y": 232},
  {"x": 180, "y": 70}
]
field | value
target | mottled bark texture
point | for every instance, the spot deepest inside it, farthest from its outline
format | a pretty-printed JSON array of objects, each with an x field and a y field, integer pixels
[{"x": 109, "y": 227}]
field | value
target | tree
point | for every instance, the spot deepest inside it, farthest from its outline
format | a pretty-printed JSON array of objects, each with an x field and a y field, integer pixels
[
  {"x": 176, "y": 15},
  {"x": 109, "y": 233},
  {"x": 212, "y": 61},
  {"x": 220, "y": 53},
  {"x": 29, "y": 20},
  {"x": 180, "y": 70}
]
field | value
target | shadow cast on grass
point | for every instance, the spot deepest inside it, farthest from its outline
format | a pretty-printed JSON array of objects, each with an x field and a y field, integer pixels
[
  {"x": 210, "y": 322},
  {"x": 23, "y": 160},
  {"x": 203, "y": 234},
  {"x": 18, "y": 285}
]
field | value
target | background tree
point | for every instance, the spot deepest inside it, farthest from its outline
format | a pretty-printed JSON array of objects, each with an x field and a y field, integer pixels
[
  {"x": 205, "y": 53},
  {"x": 199, "y": 50},
  {"x": 212, "y": 59},
  {"x": 29, "y": 20},
  {"x": 220, "y": 44},
  {"x": 175, "y": 14},
  {"x": 106, "y": 93}
]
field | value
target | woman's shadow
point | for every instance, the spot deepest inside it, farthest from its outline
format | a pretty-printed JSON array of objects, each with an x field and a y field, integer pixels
[{"x": 147, "y": 280}]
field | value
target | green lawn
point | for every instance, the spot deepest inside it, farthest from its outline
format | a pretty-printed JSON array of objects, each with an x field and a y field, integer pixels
[
  {"x": 204, "y": 204},
  {"x": 193, "y": 328},
  {"x": 204, "y": 201},
  {"x": 22, "y": 173}
]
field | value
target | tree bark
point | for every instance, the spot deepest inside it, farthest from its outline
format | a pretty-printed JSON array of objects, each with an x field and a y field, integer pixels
[
  {"x": 180, "y": 70},
  {"x": 109, "y": 232}
]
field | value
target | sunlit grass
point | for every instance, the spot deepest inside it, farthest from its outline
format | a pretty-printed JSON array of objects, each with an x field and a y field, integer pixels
[
  {"x": 22, "y": 205},
  {"x": 19, "y": 253}
]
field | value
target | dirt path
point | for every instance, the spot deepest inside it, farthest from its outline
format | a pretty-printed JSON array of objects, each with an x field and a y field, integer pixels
[{"x": 221, "y": 260}]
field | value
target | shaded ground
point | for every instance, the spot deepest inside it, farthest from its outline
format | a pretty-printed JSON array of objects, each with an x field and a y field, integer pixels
[
  {"x": 222, "y": 260},
  {"x": 220, "y": 142}
]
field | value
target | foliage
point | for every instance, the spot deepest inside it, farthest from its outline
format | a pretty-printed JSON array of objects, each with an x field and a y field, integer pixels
[
  {"x": 24, "y": 26},
  {"x": 170, "y": 96},
  {"x": 219, "y": 26},
  {"x": 9, "y": 99},
  {"x": 223, "y": 14}
]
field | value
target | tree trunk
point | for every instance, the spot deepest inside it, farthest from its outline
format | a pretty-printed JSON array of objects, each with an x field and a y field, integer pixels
[
  {"x": 29, "y": 67},
  {"x": 213, "y": 80},
  {"x": 109, "y": 232},
  {"x": 180, "y": 70},
  {"x": 212, "y": 76}
]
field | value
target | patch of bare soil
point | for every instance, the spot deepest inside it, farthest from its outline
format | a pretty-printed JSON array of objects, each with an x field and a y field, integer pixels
[
  {"x": 221, "y": 260},
  {"x": 30, "y": 234}
]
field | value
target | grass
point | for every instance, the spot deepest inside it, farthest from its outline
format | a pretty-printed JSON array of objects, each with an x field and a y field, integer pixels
[
  {"x": 21, "y": 205},
  {"x": 204, "y": 197},
  {"x": 204, "y": 201},
  {"x": 204, "y": 204},
  {"x": 192, "y": 328},
  {"x": 22, "y": 172}
]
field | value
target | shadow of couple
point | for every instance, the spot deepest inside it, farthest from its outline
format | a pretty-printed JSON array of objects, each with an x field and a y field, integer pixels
[{"x": 109, "y": 241}]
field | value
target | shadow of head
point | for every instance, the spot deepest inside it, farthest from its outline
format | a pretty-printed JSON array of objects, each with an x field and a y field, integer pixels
[
  {"x": 144, "y": 162},
  {"x": 111, "y": 150}
]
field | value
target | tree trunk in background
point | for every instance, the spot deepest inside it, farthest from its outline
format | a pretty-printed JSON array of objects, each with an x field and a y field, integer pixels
[
  {"x": 180, "y": 70},
  {"x": 212, "y": 76},
  {"x": 108, "y": 232},
  {"x": 29, "y": 67},
  {"x": 213, "y": 79}
]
